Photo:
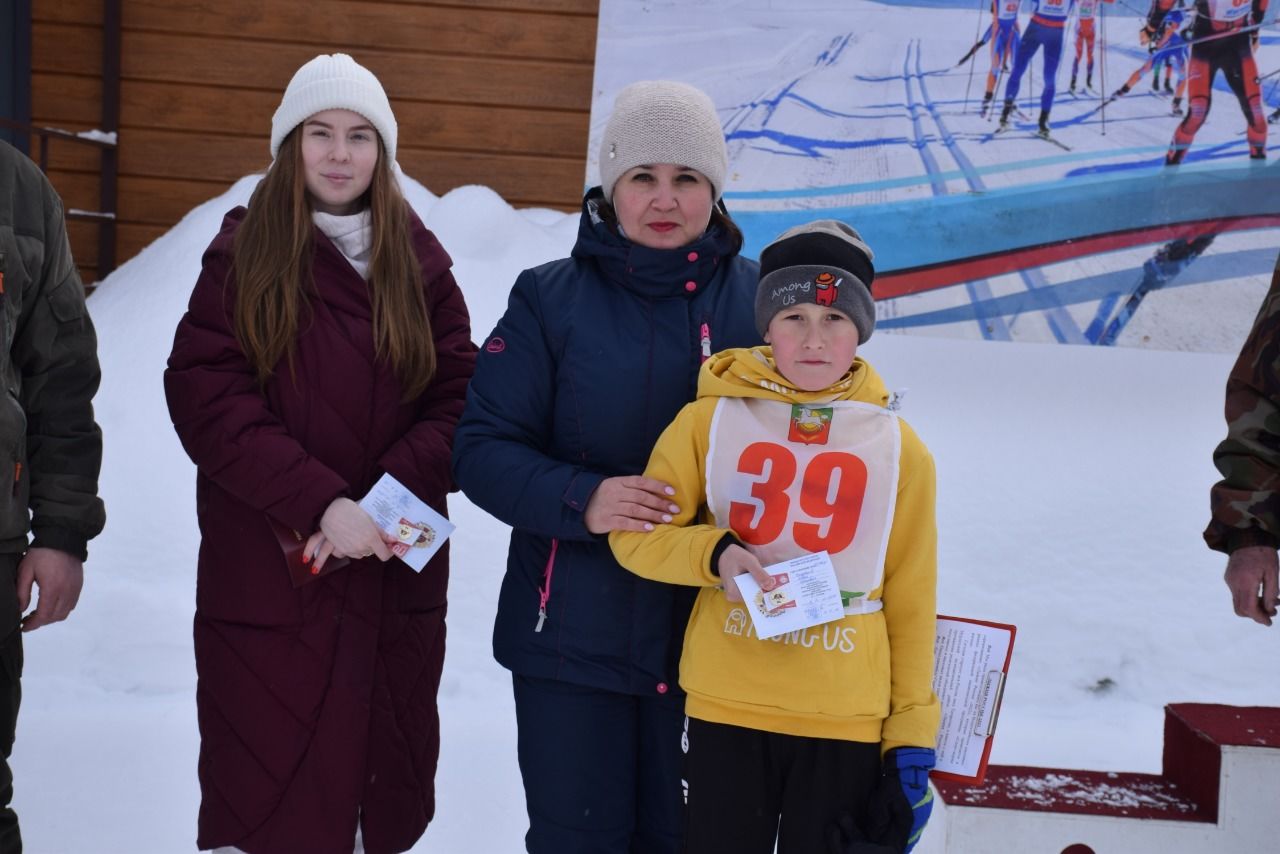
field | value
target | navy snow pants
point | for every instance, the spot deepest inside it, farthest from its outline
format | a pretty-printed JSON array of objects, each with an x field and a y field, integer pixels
[{"x": 601, "y": 770}]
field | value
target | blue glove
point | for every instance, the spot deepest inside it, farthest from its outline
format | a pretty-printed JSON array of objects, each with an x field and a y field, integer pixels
[{"x": 901, "y": 803}]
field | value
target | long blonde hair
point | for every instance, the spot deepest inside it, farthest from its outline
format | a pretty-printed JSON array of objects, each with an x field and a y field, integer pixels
[{"x": 271, "y": 265}]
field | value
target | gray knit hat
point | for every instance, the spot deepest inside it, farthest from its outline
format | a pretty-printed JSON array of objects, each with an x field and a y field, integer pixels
[
  {"x": 662, "y": 121},
  {"x": 334, "y": 82},
  {"x": 824, "y": 262}
]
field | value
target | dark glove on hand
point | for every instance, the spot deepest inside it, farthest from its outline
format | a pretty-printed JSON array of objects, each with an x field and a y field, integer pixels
[
  {"x": 845, "y": 837},
  {"x": 901, "y": 803}
]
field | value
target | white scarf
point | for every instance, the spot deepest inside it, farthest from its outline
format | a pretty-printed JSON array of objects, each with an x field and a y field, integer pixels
[{"x": 352, "y": 234}]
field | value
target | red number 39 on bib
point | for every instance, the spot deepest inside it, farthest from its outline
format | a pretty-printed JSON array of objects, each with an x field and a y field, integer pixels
[
  {"x": 831, "y": 490},
  {"x": 787, "y": 498}
]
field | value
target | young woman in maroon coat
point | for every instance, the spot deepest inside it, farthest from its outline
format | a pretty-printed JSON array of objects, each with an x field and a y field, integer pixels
[{"x": 326, "y": 343}]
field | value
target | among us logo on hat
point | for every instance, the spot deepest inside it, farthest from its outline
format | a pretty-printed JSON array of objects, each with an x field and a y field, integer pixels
[{"x": 828, "y": 288}]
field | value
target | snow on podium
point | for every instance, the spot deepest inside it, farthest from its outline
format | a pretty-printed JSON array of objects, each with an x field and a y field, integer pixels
[{"x": 1217, "y": 793}]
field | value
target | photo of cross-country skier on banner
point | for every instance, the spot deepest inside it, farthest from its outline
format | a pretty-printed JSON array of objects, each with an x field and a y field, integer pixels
[
  {"x": 1086, "y": 39},
  {"x": 1003, "y": 34},
  {"x": 1168, "y": 45},
  {"x": 1009, "y": 194}
]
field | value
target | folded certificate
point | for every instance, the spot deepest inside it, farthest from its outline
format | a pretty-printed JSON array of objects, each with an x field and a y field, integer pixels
[
  {"x": 419, "y": 530},
  {"x": 803, "y": 592}
]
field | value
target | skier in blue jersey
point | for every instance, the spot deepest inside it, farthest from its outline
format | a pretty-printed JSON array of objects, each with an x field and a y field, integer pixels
[
  {"x": 1170, "y": 47},
  {"x": 1004, "y": 44},
  {"x": 1048, "y": 22}
]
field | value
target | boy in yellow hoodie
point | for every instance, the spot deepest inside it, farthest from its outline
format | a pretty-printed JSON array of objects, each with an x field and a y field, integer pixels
[{"x": 821, "y": 739}]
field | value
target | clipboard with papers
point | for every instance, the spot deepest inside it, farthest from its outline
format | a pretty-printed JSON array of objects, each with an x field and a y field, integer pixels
[{"x": 971, "y": 662}]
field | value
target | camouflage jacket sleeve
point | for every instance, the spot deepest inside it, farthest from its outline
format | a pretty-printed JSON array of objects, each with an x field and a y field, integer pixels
[{"x": 1246, "y": 502}]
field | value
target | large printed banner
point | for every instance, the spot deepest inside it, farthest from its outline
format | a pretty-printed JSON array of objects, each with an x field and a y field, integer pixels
[{"x": 874, "y": 113}]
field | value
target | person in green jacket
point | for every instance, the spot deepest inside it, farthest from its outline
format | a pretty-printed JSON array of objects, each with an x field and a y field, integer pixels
[{"x": 48, "y": 357}]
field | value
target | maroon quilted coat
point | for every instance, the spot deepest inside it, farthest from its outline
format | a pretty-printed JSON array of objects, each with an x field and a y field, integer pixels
[{"x": 317, "y": 705}]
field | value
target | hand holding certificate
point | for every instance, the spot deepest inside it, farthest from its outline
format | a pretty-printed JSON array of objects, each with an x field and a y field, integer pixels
[
  {"x": 803, "y": 593},
  {"x": 419, "y": 530}
]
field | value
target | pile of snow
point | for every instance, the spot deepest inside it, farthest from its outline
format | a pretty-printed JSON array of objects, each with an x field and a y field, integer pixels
[{"x": 1072, "y": 489}]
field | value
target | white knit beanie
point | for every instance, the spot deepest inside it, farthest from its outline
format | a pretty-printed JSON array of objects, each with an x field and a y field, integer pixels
[
  {"x": 662, "y": 121},
  {"x": 334, "y": 82}
]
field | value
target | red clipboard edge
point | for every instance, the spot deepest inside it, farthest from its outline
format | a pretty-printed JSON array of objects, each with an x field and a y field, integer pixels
[{"x": 977, "y": 779}]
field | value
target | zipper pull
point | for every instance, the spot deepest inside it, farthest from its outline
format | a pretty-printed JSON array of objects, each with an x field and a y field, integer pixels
[
  {"x": 542, "y": 618},
  {"x": 706, "y": 341}
]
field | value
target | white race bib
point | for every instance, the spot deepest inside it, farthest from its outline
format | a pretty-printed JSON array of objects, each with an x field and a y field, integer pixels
[
  {"x": 1054, "y": 8},
  {"x": 1225, "y": 11},
  {"x": 792, "y": 479}
]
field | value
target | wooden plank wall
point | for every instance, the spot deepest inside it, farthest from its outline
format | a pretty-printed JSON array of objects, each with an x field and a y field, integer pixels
[{"x": 493, "y": 92}]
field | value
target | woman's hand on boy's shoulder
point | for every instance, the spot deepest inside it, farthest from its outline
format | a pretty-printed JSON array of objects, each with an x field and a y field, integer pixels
[
  {"x": 629, "y": 503},
  {"x": 735, "y": 561}
]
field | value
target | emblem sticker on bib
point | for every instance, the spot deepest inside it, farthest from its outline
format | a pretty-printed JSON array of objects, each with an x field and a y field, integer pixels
[{"x": 810, "y": 425}]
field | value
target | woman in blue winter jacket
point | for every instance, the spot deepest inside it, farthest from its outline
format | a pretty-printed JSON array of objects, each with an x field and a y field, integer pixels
[{"x": 595, "y": 355}]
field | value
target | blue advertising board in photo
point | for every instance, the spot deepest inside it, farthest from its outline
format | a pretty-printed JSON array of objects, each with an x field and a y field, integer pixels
[{"x": 1052, "y": 211}]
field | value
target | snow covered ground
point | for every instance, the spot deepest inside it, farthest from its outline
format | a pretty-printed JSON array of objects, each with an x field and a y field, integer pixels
[{"x": 1072, "y": 489}]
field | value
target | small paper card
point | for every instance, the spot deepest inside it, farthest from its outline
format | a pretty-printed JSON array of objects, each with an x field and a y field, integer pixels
[
  {"x": 420, "y": 530},
  {"x": 803, "y": 593}
]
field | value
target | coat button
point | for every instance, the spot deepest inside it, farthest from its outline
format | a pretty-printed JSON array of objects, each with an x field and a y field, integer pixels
[
  {"x": 693, "y": 256},
  {"x": 662, "y": 687},
  {"x": 690, "y": 286}
]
